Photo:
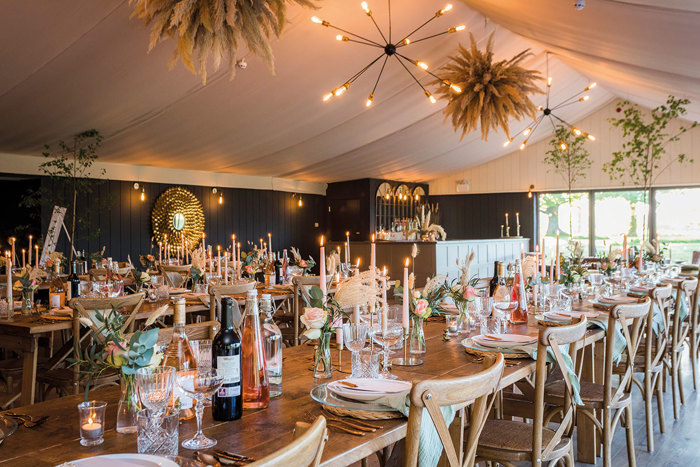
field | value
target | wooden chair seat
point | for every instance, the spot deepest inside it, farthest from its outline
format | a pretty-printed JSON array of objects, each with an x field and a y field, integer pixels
[
  {"x": 592, "y": 395},
  {"x": 508, "y": 435},
  {"x": 639, "y": 364}
]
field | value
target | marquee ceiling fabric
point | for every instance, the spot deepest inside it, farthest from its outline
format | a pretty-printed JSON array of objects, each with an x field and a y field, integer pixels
[{"x": 77, "y": 64}]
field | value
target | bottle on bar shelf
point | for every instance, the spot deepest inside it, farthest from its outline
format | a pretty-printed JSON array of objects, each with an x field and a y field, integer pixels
[
  {"x": 255, "y": 385},
  {"x": 226, "y": 358},
  {"x": 179, "y": 355},
  {"x": 494, "y": 280},
  {"x": 273, "y": 347},
  {"x": 519, "y": 295},
  {"x": 501, "y": 292}
]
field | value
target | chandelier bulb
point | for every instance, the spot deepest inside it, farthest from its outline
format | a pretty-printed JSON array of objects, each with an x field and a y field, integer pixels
[
  {"x": 590, "y": 136},
  {"x": 461, "y": 27},
  {"x": 430, "y": 97},
  {"x": 507, "y": 142},
  {"x": 527, "y": 132},
  {"x": 366, "y": 8},
  {"x": 328, "y": 96},
  {"x": 447, "y": 8},
  {"x": 591, "y": 86},
  {"x": 539, "y": 107},
  {"x": 562, "y": 145},
  {"x": 370, "y": 99},
  {"x": 549, "y": 81},
  {"x": 316, "y": 20},
  {"x": 456, "y": 88},
  {"x": 342, "y": 38},
  {"x": 522, "y": 146},
  {"x": 422, "y": 65},
  {"x": 339, "y": 91},
  {"x": 406, "y": 41},
  {"x": 576, "y": 131},
  {"x": 584, "y": 98}
]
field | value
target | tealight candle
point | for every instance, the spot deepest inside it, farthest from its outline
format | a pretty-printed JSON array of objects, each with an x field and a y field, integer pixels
[{"x": 92, "y": 415}]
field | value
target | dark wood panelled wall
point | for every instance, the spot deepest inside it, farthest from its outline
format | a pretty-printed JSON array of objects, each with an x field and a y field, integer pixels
[
  {"x": 480, "y": 216},
  {"x": 125, "y": 226}
]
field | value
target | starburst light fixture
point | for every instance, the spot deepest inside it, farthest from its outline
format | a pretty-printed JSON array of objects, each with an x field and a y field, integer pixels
[
  {"x": 547, "y": 112},
  {"x": 390, "y": 48}
]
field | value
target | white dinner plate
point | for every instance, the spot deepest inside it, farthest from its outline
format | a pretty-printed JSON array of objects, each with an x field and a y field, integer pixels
[
  {"x": 369, "y": 389},
  {"x": 568, "y": 315},
  {"x": 124, "y": 460},
  {"x": 503, "y": 340}
]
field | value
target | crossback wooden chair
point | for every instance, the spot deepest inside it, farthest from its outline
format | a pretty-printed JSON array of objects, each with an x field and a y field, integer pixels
[
  {"x": 650, "y": 361},
  {"x": 301, "y": 284},
  {"x": 216, "y": 292},
  {"x": 68, "y": 380},
  {"x": 509, "y": 441},
  {"x": 694, "y": 333},
  {"x": 613, "y": 401},
  {"x": 679, "y": 332},
  {"x": 97, "y": 274},
  {"x": 430, "y": 395},
  {"x": 305, "y": 450},
  {"x": 174, "y": 275}
]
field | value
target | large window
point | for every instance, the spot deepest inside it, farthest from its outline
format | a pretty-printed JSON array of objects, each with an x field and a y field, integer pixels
[
  {"x": 675, "y": 220},
  {"x": 567, "y": 216},
  {"x": 618, "y": 213},
  {"x": 678, "y": 221}
]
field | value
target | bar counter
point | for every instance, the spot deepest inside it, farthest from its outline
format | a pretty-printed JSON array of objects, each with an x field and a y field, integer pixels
[{"x": 437, "y": 257}]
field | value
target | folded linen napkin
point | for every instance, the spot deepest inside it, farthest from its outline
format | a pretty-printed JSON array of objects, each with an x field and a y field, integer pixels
[
  {"x": 429, "y": 445},
  {"x": 617, "y": 300}
]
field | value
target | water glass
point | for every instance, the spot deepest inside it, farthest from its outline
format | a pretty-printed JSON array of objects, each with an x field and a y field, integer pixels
[
  {"x": 559, "y": 305},
  {"x": 157, "y": 438},
  {"x": 484, "y": 308},
  {"x": 386, "y": 338},
  {"x": 369, "y": 364},
  {"x": 355, "y": 338},
  {"x": 154, "y": 386},
  {"x": 202, "y": 288},
  {"x": 92, "y": 422}
]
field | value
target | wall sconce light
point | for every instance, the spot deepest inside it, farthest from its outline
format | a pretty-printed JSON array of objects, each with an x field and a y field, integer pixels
[
  {"x": 300, "y": 203},
  {"x": 136, "y": 185},
  {"x": 529, "y": 192},
  {"x": 143, "y": 194},
  {"x": 221, "y": 198}
]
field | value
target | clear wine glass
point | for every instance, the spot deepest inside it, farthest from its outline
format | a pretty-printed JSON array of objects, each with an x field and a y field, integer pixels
[
  {"x": 355, "y": 338},
  {"x": 387, "y": 338},
  {"x": 202, "y": 352},
  {"x": 154, "y": 386},
  {"x": 200, "y": 384},
  {"x": 505, "y": 308},
  {"x": 483, "y": 309}
]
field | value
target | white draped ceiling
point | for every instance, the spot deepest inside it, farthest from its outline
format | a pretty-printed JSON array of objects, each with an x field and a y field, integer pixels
[{"x": 78, "y": 64}]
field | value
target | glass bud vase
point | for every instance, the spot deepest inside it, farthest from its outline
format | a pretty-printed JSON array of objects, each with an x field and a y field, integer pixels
[
  {"x": 323, "y": 367},
  {"x": 416, "y": 343},
  {"x": 463, "y": 323},
  {"x": 128, "y": 406},
  {"x": 27, "y": 302}
]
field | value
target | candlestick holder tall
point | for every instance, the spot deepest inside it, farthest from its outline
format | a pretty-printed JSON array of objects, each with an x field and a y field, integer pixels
[
  {"x": 507, "y": 231},
  {"x": 406, "y": 360},
  {"x": 517, "y": 230}
]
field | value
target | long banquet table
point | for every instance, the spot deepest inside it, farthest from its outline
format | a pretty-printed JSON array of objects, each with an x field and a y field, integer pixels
[
  {"x": 22, "y": 333},
  {"x": 260, "y": 432}
]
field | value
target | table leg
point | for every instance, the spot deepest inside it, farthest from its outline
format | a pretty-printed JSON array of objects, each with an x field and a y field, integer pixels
[
  {"x": 585, "y": 429},
  {"x": 29, "y": 362}
]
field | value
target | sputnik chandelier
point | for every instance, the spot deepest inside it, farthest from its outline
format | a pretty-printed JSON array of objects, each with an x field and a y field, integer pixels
[
  {"x": 389, "y": 49},
  {"x": 547, "y": 112}
]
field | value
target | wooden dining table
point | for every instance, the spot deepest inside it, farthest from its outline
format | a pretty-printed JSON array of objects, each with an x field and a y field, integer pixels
[
  {"x": 261, "y": 432},
  {"x": 21, "y": 333}
]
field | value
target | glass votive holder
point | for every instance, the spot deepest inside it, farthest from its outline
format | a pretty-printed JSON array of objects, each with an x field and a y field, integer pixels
[
  {"x": 92, "y": 422},
  {"x": 157, "y": 434},
  {"x": 452, "y": 325},
  {"x": 370, "y": 363}
]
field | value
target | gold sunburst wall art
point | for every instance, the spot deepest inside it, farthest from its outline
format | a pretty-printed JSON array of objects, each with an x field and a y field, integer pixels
[{"x": 178, "y": 214}]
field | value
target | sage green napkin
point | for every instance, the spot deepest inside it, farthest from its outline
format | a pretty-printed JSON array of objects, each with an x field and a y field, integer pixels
[{"x": 429, "y": 446}]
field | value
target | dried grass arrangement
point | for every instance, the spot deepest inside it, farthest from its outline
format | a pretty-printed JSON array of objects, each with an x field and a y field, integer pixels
[
  {"x": 213, "y": 30},
  {"x": 492, "y": 92}
]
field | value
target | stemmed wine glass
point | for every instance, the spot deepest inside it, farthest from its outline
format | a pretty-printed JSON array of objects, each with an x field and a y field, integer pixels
[
  {"x": 154, "y": 386},
  {"x": 200, "y": 384},
  {"x": 355, "y": 337},
  {"x": 485, "y": 309},
  {"x": 386, "y": 338}
]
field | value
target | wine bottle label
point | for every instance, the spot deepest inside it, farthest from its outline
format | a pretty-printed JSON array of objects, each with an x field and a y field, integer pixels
[
  {"x": 230, "y": 368},
  {"x": 55, "y": 300},
  {"x": 229, "y": 391}
]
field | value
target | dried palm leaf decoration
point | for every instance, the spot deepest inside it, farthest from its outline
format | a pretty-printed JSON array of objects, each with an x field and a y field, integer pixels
[
  {"x": 492, "y": 92},
  {"x": 214, "y": 29}
]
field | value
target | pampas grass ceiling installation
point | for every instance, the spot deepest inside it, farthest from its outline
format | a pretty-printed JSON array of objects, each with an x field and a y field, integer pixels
[
  {"x": 211, "y": 31},
  {"x": 492, "y": 92}
]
